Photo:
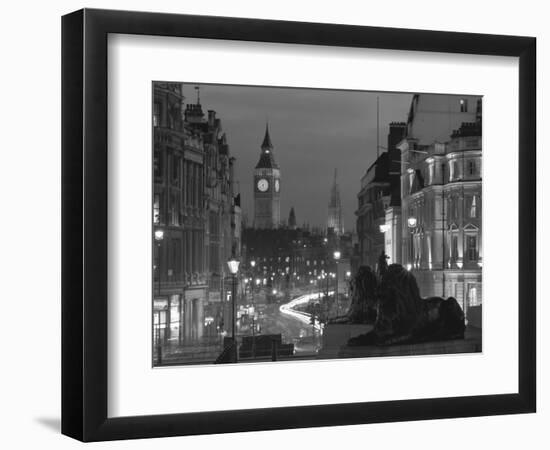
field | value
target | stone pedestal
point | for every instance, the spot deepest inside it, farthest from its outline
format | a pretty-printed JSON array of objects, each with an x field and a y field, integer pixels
[
  {"x": 336, "y": 336},
  {"x": 335, "y": 339}
]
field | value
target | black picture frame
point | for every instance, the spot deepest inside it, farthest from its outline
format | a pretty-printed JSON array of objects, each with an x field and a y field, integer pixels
[{"x": 84, "y": 224}]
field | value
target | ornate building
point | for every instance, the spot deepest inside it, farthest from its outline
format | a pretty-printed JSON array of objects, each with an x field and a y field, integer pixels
[
  {"x": 335, "y": 221},
  {"x": 441, "y": 191},
  {"x": 267, "y": 188},
  {"x": 194, "y": 211}
]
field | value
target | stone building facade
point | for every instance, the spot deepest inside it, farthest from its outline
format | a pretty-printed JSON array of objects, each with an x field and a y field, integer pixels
[
  {"x": 441, "y": 195},
  {"x": 194, "y": 212}
]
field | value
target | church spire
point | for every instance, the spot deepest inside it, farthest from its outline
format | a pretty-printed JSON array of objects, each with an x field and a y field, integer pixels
[
  {"x": 267, "y": 145},
  {"x": 335, "y": 222},
  {"x": 292, "y": 219}
]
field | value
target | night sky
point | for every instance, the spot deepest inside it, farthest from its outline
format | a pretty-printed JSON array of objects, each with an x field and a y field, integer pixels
[{"x": 313, "y": 132}]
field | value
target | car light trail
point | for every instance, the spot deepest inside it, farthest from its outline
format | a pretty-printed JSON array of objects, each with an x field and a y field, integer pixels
[{"x": 288, "y": 309}]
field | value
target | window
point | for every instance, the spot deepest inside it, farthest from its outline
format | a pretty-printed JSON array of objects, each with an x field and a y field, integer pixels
[
  {"x": 157, "y": 164},
  {"x": 156, "y": 209},
  {"x": 471, "y": 243},
  {"x": 176, "y": 258},
  {"x": 156, "y": 114},
  {"x": 175, "y": 170},
  {"x": 454, "y": 246},
  {"x": 473, "y": 207},
  {"x": 455, "y": 207},
  {"x": 174, "y": 210},
  {"x": 471, "y": 167},
  {"x": 474, "y": 294},
  {"x": 431, "y": 173},
  {"x": 463, "y": 105}
]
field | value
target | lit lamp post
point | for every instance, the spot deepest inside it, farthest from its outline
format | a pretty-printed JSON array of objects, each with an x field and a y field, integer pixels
[
  {"x": 337, "y": 255},
  {"x": 159, "y": 236},
  {"x": 233, "y": 265},
  {"x": 411, "y": 222},
  {"x": 252, "y": 275}
]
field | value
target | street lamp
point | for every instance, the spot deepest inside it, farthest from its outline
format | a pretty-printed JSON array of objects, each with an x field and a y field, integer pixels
[
  {"x": 337, "y": 255},
  {"x": 411, "y": 222},
  {"x": 233, "y": 265},
  {"x": 159, "y": 236}
]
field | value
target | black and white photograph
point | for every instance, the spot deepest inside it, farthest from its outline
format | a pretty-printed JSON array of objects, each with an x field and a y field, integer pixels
[{"x": 313, "y": 224}]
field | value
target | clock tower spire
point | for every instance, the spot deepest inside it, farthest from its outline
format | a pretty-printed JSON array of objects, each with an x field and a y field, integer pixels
[{"x": 267, "y": 187}]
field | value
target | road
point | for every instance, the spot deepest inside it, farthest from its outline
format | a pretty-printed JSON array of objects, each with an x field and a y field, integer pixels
[{"x": 293, "y": 325}]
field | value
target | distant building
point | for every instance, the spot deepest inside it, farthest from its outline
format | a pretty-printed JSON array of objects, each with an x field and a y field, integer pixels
[
  {"x": 335, "y": 221},
  {"x": 379, "y": 202},
  {"x": 288, "y": 258},
  {"x": 441, "y": 202},
  {"x": 193, "y": 210},
  {"x": 267, "y": 188}
]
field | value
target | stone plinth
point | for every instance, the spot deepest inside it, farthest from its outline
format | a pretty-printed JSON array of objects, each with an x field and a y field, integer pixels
[
  {"x": 335, "y": 336},
  {"x": 335, "y": 340}
]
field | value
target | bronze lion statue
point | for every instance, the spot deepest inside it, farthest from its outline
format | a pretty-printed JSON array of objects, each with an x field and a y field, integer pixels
[
  {"x": 402, "y": 316},
  {"x": 362, "y": 289}
]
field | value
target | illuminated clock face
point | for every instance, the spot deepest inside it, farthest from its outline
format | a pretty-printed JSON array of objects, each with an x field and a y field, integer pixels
[
  {"x": 263, "y": 185},
  {"x": 276, "y": 185}
]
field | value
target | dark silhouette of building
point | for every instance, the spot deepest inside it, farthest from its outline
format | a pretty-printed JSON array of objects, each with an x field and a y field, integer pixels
[
  {"x": 380, "y": 189},
  {"x": 292, "y": 219}
]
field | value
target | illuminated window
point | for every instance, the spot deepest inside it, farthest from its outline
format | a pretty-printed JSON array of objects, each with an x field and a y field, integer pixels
[
  {"x": 156, "y": 209},
  {"x": 156, "y": 114},
  {"x": 473, "y": 207},
  {"x": 474, "y": 294}
]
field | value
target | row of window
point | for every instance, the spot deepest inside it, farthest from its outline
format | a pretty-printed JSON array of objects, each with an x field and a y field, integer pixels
[
  {"x": 432, "y": 174},
  {"x": 418, "y": 243},
  {"x": 455, "y": 209},
  {"x": 175, "y": 256}
]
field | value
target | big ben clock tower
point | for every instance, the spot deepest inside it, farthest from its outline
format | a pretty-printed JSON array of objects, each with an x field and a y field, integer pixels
[{"x": 267, "y": 187}]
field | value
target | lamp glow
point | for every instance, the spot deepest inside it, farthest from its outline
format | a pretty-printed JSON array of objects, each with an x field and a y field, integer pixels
[
  {"x": 159, "y": 235},
  {"x": 337, "y": 255},
  {"x": 233, "y": 265},
  {"x": 411, "y": 221}
]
